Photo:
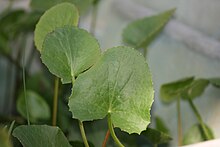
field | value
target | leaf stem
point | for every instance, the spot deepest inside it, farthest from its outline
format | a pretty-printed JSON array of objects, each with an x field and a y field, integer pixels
[
  {"x": 55, "y": 100},
  {"x": 179, "y": 122},
  {"x": 111, "y": 129},
  {"x": 196, "y": 112},
  {"x": 106, "y": 138},
  {"x": 82, "y": 130},
  {"x": 24, "y": 85}
]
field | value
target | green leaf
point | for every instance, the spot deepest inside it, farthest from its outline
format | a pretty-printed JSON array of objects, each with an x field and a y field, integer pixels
[
  {"x": 37, "y": 107},
  {"x": 80, "y": 144},
  {"x": 140, "y": 33},
  {"x": 195, "y": 134},
  {"x": 215, "y": 82},
  {"x": 160, "y": 125},
  {"x": 42, "y": 5},
  {"x": 156, "y": 137},
  {"x": 57, "y": 16},
  {"x": 171, "y": 91},
  {"x": 40, "y": 136},
  {"x": 4, "y": 139},
  {"x": 68, "y": 51},
  {"x": 119, "y": 84},
  {"x": 195, "y": 89}
]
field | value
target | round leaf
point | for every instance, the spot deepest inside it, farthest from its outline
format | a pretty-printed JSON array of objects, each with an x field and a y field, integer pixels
[
  {"x": 37, "y": 107},
  {"x": 170, "y": 91},
  {"x": 68, "y": 51},
  {"x": 195, "y": 89},
  {"x": 195, "y": 134},
  {"x": 141, "y": 32},
  {"x": 119, "y": 84},
  {"x": 60, "y": 15},
  {"x": 40, "y": 136}
]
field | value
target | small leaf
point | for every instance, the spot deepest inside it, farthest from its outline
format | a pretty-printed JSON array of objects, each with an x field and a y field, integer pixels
[
  {"x": 4, "y": 139},
  {"x": 68, "y": 51},
  {"x": 195, "y": 89},
  {"x": 119, "y": 84},
  {"x": 160, "y": 125},
  {"x": 156, "y": 137},
  {"x": 195, "y": 134},
  {"x": 40, "y": 136},
  {"x": 58, "y": 16},
  {"x": 141, "y": 32},
  {"x": 37, "y": 107},
  {"x": 80, "y": 144},
  {"x": 170, "y": 91},
  {"x": 215, "y": 82}
]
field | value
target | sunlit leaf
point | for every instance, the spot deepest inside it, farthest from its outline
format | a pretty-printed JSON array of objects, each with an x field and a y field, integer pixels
[
  {"x": 57, "y": 16},
  {"x": 215, "y": 82},
  {"x": 156, "y": 137},
  {"x": 171, "y": 91},
  {"x": 37, "y": 107},
  {"x": 195, "y": 89},
  {"x": 141, "y": 32},
  {"x": 40, "y": 136},
  {"x": 160, "y": 125},
  {"x": 118, "y": 84},
  {"x": 68, "y": 51},
  {"x": 195, "y": 134}
]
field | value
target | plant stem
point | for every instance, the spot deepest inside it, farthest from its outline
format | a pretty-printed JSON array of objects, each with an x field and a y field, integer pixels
[
  {"x": 94, "y": 19},
  {"x": 24, "y": 85},
  {"x": 55, "y": 100},
  {"x": 179, "y": 122},
  {"x": 10, "y": 129},
  {"x": 145, "y": 52},
  {"x": 111, "y": 129},
  {"x": 196, "y": 112},
  {"x": 83, "y": 134},
  {"x": 106, "y": 138}
]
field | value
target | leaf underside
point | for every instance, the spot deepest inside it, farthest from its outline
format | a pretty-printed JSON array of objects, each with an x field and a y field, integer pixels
[
  {"x": 40, "y": 136},
  {"x": 68, "y": 51},
  {"x": 58, "y": 16},
  {"x": 140, "y": 33},
  {"x": 119, "y": 84}
]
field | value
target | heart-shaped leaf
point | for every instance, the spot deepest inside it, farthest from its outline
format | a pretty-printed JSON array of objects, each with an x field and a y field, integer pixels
[
  {"x": 141, "y": 32},
  {"x": 58, "y": 16},
  {"x": 68, "y": 51},
  {"x": 119, "y": 84},
  {"x": 37, "y": 107},
  {"x": 195, "y": 134},
  {"x": 195, "y": 89},
  {"x": 215, "y": 82},
  {"x": 40, "y": 136},
  {"x": 156, "y": 137},
  {"x": 171, "y": 91}
]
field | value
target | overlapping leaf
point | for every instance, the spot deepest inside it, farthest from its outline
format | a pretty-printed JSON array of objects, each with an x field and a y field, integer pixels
[
  {"x": 169, "y": 92},
  {"x": 69, "y": 51},
  {"x": 160, "y": 125},
  {"x": 37, "y": 107},
  {"x": 58, "y": 16},
  {"x": 119, "y": 84},
  {"x": 141, "y": 32},
  {"x": 40, "y": 136}
]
